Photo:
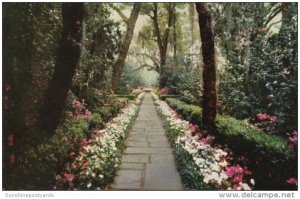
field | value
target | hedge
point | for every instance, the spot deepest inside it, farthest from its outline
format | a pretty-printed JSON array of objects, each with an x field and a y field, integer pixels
[
  {"x": 130, "y": 97},
  {"x": 164, "y": 97},
  {"x": 269, "y": 155}
]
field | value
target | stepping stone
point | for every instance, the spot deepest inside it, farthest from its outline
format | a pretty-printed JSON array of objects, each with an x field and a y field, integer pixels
[
  {"x": 160, "y": 144},
  {"x": 147, "y": 150},
  {"x": 161, "y": 158},
  {"x": 128, "y": 179},
  {"x": 132, "y": 166},
  {"x": 140, "y": 158},
  {"x": 137, "y": 144},
  {"x": 162, "y": 176}
]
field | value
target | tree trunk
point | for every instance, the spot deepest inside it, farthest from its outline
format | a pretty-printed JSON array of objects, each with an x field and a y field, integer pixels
[
  {"x": 162, "y": 42},
  {"x": 209, "y": 69},
  {"x": 119, "y": 65},
  {"x": 67, "y": 61}
]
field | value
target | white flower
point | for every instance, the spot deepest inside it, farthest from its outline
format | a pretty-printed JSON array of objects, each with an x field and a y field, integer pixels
[
  {"x": 89, "y": 185},
  {"x": 252, "y": 181}
]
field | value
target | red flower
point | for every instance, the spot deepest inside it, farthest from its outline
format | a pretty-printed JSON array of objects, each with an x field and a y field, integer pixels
[
  {"x": 10, "y": 139},
  {"x": 292, "y": 181},
  {"x": 262, "y": 117},
  {"x": 273, "y": 118},
  {"x": 72, "y": 154},
  {"x": 68, "y": 176},
  {"x": 84, "y": 142},
  {"x": 12, "y": 158}
]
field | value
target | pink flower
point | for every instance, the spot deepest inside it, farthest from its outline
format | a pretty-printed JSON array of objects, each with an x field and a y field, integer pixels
[
  {"x": 238, "y": 178},
  {"x": 163, "y": 91},
  {"x": 198, "y": 134},
  {"x": 262, "y": 117},
  {"x": 84, "y": 142},
  {"x": 10, "y": 139},
  {"x": 294, "y": 137},
  {"x": 72, "y": 154},
  {"x": 12, "y": 158},
  {"x": 7, "y": 87},
  {"x": 193, "y": 127},
  {"x": 291, "y": 146},
  {"x": 236, "y": 173},
  {"x": 273, "y": 118},
  {"x": 208, "y": 139},
  {"x": 292, "y": 181},
  {"x": 68, "y": 176},
  {"x": 65, "y": 139},
  {"x": 235, "y": 187}
]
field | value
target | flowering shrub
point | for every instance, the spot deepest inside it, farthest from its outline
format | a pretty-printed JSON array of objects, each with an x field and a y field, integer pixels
[
  {"x": 79, "y": 110},
  {"x": 293, "y": 141},
  {"x": 162, "y": 91},
  {"x": 212, "y": 163},
  {"x": 265, "y": 116},
  {"x": 268, "y": 156},
  {"x": 99, "y": 156}
]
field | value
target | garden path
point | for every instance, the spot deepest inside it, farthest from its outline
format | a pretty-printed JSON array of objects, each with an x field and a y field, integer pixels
[{"x": 148, "y": 162}]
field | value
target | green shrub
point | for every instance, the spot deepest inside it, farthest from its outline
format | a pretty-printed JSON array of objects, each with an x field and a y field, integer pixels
[
  {"x": 130, "y": 97},
  {"x": 96, "y": 121},
  {"x": 136, "y": 92},
  {"x": 269, "y": 157},
  {"x": 41, "y": 163},
  {"x": 191, "y": 113},
  {"x": 164, "y": 97}
]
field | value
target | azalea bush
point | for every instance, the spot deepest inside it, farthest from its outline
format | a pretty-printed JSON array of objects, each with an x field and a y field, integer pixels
[
  {"x": 269, "y": 157},
  {"x": 213, "y": 164},
  {"x": 94, "y": 165}
]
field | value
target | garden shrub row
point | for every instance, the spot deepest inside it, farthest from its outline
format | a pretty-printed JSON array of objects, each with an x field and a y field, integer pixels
[
  {"x": 269, "y": 156},
  {"x": 164, "y": 97},
  {"x": 129, "y": 97},
  {"x": 52, "y": 156}
]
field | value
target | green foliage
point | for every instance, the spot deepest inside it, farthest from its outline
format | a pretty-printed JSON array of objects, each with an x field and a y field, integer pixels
[
  {"x": 241, "y": 135},
  {"x": 42, "y": 162},
  {"x": 270, "y": 158},
  {"x": 260, "y": 76},
  {"x": 129, "y": 97},
  {"x": 191, "y": 113},
  {"x": 96, "y": 121},
  {"x": 164, "y": 97},
  {"x": 187, "y": 168}
]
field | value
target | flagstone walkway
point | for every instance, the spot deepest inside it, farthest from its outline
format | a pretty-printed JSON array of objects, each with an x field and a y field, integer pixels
[{"x": 147, "y": 162}]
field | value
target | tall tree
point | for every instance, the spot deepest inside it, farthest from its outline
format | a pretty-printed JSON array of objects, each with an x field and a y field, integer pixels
[
  {"x": 67, "y": 61},
  {"x": 119, "y": 64},
  {"x": 162, "y": 39},
  {"x": 209, "y": 103}
]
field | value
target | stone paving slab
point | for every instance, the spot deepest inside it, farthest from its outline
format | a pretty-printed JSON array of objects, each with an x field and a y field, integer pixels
[
  {"x": 137, "y": 144},
  {"x": 132, "y": 166},
  {"x": 148, "y": 162},
  {"x": 142, "y": 158},
  {"x": 158, "y": 158},
  {"x": 162, "y": 176},
  {"x": 148, "y": 150},
  {"x": 128, "y": 179}
]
